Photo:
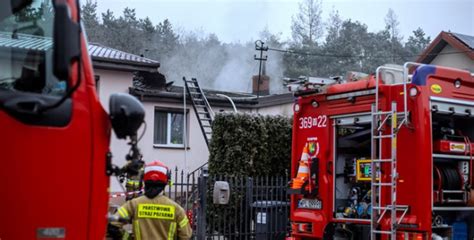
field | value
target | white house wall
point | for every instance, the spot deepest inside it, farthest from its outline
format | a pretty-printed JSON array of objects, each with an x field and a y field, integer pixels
[
  {"x": 114, "y": 82},
  {"x": 461, "y": 61},
  {"x": 284, "y": 109},
  {"x": 197, "y": 153}
]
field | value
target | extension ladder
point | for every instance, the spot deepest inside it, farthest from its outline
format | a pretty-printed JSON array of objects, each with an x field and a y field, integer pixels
[{"x": 201, "y": 107}]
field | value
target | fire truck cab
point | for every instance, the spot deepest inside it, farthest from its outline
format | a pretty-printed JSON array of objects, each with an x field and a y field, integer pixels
[
  {"x": 55, "y": 160},
  {"x": 385, "y": 156}
]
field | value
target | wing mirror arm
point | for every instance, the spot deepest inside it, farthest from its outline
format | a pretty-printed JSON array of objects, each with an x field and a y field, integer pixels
[{"x": 127, "y": 115}]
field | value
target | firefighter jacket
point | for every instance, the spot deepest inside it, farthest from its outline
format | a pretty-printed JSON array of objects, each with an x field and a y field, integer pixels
[{"x": 157, "y": 218}]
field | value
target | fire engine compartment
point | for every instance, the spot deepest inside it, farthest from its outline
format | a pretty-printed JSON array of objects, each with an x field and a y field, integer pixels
[
  {"x": 352, "y": 176},
  {"x": 453, "y": 193},
  {"x": 452, "y": 158}
]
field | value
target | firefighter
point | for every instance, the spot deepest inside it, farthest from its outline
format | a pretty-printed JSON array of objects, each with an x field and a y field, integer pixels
[
  {"x": 133, "y": 185},
  {"x": 155, "y": 216}
]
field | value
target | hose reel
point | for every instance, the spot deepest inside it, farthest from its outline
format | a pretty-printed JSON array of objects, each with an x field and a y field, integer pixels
[{"x": 448, "y": 184}]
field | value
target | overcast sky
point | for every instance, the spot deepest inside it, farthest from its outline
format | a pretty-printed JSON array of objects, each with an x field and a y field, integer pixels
[{"x": 242, "y": 20}]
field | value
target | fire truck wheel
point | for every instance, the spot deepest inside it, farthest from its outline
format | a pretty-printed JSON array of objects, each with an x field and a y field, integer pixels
[
  {"x": 329, "y": 231},
  {"x": 336, "y": 232},
  {"x": 437, "y": 220}
]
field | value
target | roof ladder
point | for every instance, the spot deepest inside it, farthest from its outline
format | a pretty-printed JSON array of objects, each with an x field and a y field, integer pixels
[{"x": 201, "y": 107}]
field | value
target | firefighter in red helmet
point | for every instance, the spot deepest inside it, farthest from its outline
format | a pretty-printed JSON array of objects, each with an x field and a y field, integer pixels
[{"x": 155, "y": 216}]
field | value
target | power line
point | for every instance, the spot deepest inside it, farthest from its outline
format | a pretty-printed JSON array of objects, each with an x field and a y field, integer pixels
[{"x": 360, "y": 56}]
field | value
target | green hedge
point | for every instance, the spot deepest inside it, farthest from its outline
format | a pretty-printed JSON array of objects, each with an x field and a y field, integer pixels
[
  {"x": 250, "y": 145},
  {"x": 244, "y": 146}
]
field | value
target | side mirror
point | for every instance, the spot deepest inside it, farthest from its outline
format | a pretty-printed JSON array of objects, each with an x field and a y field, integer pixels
[
  {"x": 126, "y": 114},
  {"x": 66, "y": 44}
]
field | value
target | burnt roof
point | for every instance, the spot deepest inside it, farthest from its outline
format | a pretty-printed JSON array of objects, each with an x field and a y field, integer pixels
[
  {"x": 174, "y": 94},
  {"x": 461, "y": 42}
]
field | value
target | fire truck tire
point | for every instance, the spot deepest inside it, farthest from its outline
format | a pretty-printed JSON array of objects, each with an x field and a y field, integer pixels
[
  {"x": 329, "y": 231},
  {"x": 437, "y": 220},
  {"x": 335, "y": 232}
]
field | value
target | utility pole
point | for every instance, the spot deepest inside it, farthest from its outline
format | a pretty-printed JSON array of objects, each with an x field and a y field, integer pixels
[{"x": 259, "y": 47}]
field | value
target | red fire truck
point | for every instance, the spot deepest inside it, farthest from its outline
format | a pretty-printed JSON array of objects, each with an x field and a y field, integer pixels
[
  {"x": 385, "y": 156},
  {"x": 55, "y": 160}
]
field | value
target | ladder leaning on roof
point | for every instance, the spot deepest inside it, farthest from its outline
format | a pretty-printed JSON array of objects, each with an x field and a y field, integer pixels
[{"x": 201, "y": 107}]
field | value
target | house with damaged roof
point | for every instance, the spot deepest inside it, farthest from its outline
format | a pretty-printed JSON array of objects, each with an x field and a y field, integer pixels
[
  {"x": 162, "y": 134},
  {"x": 118, "y": 71}
]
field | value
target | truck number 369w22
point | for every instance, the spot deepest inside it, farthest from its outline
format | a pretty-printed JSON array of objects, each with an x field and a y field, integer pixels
[{"x": 310, "y": 122}]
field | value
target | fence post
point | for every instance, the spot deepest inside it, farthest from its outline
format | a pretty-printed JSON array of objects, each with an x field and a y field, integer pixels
[
  {"x": 249, "y": 210},
  {"x": 201, "y": 217}
]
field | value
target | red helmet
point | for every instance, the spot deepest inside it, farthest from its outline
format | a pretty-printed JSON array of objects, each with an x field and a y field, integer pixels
[{"x": 157, "y": 171}]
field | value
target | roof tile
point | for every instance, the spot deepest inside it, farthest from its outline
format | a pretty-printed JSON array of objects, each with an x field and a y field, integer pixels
[{"x": 466, "y": 39}]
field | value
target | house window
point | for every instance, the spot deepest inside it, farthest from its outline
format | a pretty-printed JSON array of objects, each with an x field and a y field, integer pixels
[{"x": 169, "y": 128}]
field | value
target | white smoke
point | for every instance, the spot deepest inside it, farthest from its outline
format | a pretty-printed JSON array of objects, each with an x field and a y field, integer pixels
[
  {"x": 225, "y": 67},
  {"x": 236, "y": 74}
]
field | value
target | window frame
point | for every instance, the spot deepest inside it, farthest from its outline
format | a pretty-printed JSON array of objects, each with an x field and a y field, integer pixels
[{"x": 168, "y": 112}]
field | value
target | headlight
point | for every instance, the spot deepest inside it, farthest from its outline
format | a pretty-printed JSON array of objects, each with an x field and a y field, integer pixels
[
  {"x": 457, "y": 83},
  {"x": 413, "y": 92},
  {"x": 296, "y": 107}
]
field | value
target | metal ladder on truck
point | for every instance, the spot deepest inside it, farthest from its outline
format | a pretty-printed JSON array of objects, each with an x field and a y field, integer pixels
[
  {"x": 201, "y": 107},
  {"x": 384, "y": 121}
]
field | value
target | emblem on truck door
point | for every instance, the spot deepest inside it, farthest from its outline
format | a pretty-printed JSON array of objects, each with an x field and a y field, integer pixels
[{"x": 313, "y": 146}]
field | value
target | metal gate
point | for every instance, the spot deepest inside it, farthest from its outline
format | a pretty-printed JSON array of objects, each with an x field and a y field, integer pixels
[{"x": 258, "y": 207}]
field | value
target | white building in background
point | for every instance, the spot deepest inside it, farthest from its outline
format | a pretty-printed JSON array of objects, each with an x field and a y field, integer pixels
[
  {"x": 163, "y": 139},
  {"x": 450, "y": 50}
]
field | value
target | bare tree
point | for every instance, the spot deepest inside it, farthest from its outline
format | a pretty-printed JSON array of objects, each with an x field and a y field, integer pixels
[
  {"x": 391, "y": 23},
  {"x": 307, "y": 25}
]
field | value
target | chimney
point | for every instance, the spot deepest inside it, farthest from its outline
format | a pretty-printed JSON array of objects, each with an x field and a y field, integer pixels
[{"x": 264, "y": 88}]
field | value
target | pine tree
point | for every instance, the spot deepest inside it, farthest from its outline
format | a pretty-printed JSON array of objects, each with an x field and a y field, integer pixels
[
  {"x": 91, "y": 21},
  {"x": 417, "y": 43},
  {"x": 167, "y": 38}
]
